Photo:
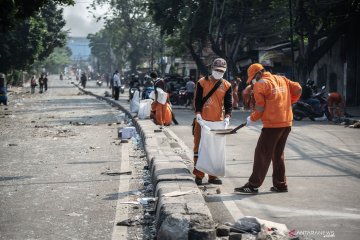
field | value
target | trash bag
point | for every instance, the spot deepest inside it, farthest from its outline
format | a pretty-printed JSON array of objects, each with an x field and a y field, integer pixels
[
  {"x": 212, "y": 155},
  {"x": 145, "y": 108},
  {"x": 162, "y": 96},
  {"x": 135, "y": 102}
]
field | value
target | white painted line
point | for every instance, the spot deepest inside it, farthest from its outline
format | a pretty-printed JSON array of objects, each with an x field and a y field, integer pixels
[
  {"x": 120, "y": 232},
  {"x": 233, "y": 209}
]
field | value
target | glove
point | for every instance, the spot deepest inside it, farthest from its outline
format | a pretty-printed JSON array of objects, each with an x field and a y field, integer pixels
[
  {"x": 226, "y": 122},
  {"x": 199, "y": 119},
  {"x": 249, "y": 122}
]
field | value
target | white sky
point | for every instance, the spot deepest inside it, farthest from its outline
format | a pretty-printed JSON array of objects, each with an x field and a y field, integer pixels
[{"x": 79, "y": 21}]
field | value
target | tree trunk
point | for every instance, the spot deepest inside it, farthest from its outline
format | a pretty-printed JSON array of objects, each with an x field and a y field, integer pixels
[{"x": 199, "y": 63}]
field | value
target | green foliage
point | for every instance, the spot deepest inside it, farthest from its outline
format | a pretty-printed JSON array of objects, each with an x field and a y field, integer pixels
[
  {"x": 13, "y": 11},
  {"x": 32, "y": 39},
  {"x": 57, "y": 61},
  {"x": 129, "y": 37}
]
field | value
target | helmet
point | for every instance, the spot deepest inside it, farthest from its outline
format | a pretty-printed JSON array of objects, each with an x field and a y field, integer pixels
[
  {"x": 220, "y": 64},
  {"x": 310, "y": 82},
  {"x": 253, "y": 70}
]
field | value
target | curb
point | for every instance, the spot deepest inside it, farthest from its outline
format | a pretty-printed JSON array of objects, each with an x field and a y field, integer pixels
[{"x": 177, "y": 217}]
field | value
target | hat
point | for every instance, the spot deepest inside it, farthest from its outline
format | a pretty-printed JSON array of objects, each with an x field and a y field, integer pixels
[
  {"x": 253, "y": 70},
  {"x": 220, "y": 64}
]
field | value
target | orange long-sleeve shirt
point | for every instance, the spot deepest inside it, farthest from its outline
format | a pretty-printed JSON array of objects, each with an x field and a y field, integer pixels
[{"x": 274, "y": 96}]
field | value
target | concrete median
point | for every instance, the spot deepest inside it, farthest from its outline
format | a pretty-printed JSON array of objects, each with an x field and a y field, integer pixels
[{"x": 184, "y": 215}]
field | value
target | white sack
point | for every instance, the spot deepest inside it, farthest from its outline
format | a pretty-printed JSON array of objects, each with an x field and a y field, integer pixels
[
  {"x": 162, "y": 96},
  {"x": 135, "y": 102},
  {"x": 145, "y": 108},
  {"x": 211, "y": 158}
]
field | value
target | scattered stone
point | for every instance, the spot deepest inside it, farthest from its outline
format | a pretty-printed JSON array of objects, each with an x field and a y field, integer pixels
[
  {"x": 223, "y": 231},
  {"x": 235, "y": 236},
  {"x": 74, "y": 214},
  {"x": 33, "y": 122},
  {"x": 12, "y": 145},
  {"x": 158, "y": 130},
  {"x": 218, "y": 190},
  {"x": 146, "y": 167},
  {"x": 127, "y": 223}
]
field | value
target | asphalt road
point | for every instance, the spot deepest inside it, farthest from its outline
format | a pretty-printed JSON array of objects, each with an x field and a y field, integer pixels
[
  {"x": 323, "y": 170},
  {"x": 54, "y": 148}
]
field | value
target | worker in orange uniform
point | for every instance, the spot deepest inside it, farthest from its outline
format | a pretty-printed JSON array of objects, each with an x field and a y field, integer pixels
[
  {"x": 274, "y": 96},
  {"x": 336, "y": 105},
  {"x": 212, "y": 94},
  {"x": 162, "y": 113}
]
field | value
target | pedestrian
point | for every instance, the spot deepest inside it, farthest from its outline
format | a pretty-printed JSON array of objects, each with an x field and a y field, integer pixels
[
  {"x": 33, "y": 84},
  {"x": 190, "y": 89},
  {"x": 274, "y": 96},
  {"x": 116, "y": 85},
  {"x": 235, "y": 96},
  {"x": 83, "y": 79},
  {"x": 336, "y": 105},
  {"x": 45, "y": 82},
  {"x": 107, "y": 78},
  {"x": 212, "y": 94},
  {"x": 41, "y": 83}
]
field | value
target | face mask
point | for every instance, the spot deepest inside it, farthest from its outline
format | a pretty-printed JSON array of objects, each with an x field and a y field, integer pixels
[
  {"x": 253, "y": 81},
  {"x": 216, "y": 74}
]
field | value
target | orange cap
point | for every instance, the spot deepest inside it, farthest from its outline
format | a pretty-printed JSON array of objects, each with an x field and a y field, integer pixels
[{"x": 252, "y": 70}]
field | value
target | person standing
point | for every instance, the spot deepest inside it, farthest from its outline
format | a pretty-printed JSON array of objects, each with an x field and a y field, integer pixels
[
  {"x": 274, "y": 96},
  {"x": 235, "y": 89},
  {"x": 117, "y": 84},
  {"x": 33, "y": 84},
  {"x": 83, "y": 79},
  {"x": 41, "y": 83},
  {"x": 190, "y": 89},
  {"x": 211, "y": 109},
  {"x": 45, "y": 82}
]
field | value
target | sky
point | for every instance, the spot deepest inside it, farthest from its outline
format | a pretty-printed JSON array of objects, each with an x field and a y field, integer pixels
[{"x": 79, "y": 21}]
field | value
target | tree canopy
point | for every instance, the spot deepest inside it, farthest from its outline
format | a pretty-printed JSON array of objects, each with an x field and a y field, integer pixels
[{"x": 32, "y": 39}]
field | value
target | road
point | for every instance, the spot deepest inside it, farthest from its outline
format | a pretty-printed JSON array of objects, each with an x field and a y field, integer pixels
[
  {"x": 323, "y": 170},
  {"x": 54, "y": 150}
]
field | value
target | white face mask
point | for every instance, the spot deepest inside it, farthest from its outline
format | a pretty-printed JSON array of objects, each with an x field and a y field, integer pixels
[
  {"x": 216, "y": 74},
  {"x": 253, "y": 81}
]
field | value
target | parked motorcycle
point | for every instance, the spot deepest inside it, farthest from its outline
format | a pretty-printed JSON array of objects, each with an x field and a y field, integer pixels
[
  {"x": 99, "y": 83},
  {"x": 146, "y": 92},
  {"x": 178, "y": 97},
  {"x": 302, "y": 110},
  {"x": 122, "y": 88}
]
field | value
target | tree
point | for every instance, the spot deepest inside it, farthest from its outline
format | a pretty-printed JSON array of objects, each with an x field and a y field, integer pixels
[
  {"x": 230, "y": 26},
  {"x": 57, "y": 60},
  {"x": 13, "y": 11},
  {"x": 32, "y": 39},
  {"x": 319, "y": 25},
  {"x": 129, "y": 32}
]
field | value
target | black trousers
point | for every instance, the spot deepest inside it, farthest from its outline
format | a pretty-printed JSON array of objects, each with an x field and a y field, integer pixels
[{"x": 116, "y": 93}]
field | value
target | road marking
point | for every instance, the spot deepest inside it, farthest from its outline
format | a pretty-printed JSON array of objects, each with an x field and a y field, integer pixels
[
  {"x": 233, "y": 209},
  {"x": 294, "y": 212},
  {"x": 120, "y": 232}
]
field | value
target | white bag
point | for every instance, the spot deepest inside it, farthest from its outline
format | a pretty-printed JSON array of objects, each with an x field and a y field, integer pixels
[
  {"x": 135, "y": 102},
  {"x": 162, "y": 96},
  {"x": 212, "y": 155},
  {"x": 145, "y": 108}
]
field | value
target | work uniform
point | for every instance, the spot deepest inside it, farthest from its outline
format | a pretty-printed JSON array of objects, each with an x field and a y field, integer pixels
[
  {"x": 162, "y": 114},
  {"x": 336, "y": 105},
  {"x": 211, "y": 110},
  {"x": 274, "y": 96}
]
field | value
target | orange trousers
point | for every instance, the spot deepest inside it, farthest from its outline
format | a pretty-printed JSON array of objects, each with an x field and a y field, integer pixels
[
  {"x": 197, "y": 136},
  {"x": 161, "y": 113}
]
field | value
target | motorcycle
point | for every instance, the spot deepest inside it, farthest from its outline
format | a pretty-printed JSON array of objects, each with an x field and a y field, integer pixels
[
  {"x": 178, "y": 97},
  {"x": 302, "y": 110},
  {"x": 122, "y": 88},
  {"x": 99, "y": 83},
  {"x": 146, "y": 92}
]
